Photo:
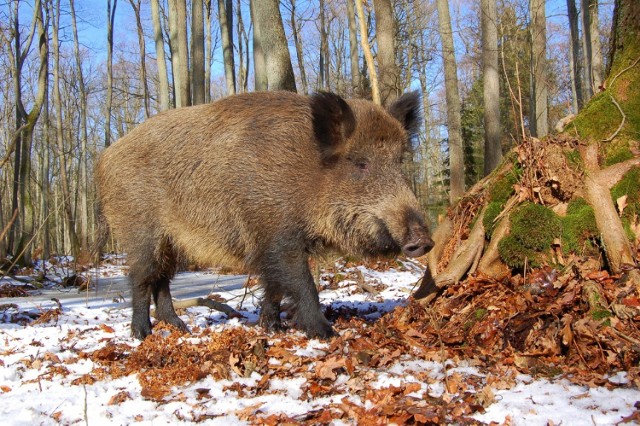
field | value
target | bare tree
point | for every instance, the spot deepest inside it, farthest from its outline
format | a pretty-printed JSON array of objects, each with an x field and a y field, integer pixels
[
  {"x": 197, "y": 52},
  {"x": 84, "y": 137},
  {"x": 594, "y": 69},
  {"x": 456, "y": 155},
  {"x": 539, "y": 125},
  {"x": 491, "y": 86},
  {"x": 111, "y": 16},
  {"x": 295, "y": 28},
  {"x": 225, "y": 17},
  {"x": 135, "y": 5},
  {"x": 163, "y": 77},
  {"x": 385, "y": 34},
  {"x": 22, "y": 226},
  {"x": 368, "y": 56},
  {"x": 259, "y": 60},
  {"x": 574, "y": 57},
  {"x": 64, "y": 178},
  {"x": 353, "y": 49},
  {"x": 323, "y": 65},
  {"x": 266, "y": 14},
  {"x": 179, "y": 51},
  {"x": 243, "y": 51}
]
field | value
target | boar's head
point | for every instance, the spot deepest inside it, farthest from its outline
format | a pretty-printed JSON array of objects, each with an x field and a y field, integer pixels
[{"x": 366, "y": 205}]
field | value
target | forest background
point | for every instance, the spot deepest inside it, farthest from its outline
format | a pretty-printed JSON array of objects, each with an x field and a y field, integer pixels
[{"x": 77, "y": 75}]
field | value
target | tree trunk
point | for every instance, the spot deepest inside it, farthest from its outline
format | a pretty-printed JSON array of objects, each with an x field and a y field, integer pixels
[
  {"x": 456, "y": 155},
  {"x": 243, "y": 49},
  {"x": 259, "y": 60},
  {"x": 597, "y": 65},
  {"x": 491, "y": 86},
  {"x": 323, "y": 69},
  {"x": 274, "y": 45},
  {"x": 586, "y": 49},
  {"x": 225, "y": 17},
  {"x": 385, "y": 34},
  {"x": 22, "y": 211},
  {"x": 368, "y": 56},
  {"x": 163, "y": 78},
  {"x": 539, "y": 125},
  {"x": 298, "y": 43},
  {"x": 208, "y": 52},
  {"x": 179, "y": 51},
  {"x": 111, "y": 15},
  {"x": 143, "y": 67},
  {"x": 353, "y": 50},
  {"x": 574, "y": 57},
  {"x": 84, "y": 137},
  {"x": 64, "y": 179}
]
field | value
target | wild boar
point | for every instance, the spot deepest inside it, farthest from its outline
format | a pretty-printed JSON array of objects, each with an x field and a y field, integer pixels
[{"x": 263, "y": 180}]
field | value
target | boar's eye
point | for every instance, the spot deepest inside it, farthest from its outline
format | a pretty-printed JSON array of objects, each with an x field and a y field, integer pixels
[{"x": 362, "y": 164}]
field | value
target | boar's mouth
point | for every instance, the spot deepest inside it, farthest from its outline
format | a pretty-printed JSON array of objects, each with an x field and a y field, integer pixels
[{"x": 383, "y": 243}]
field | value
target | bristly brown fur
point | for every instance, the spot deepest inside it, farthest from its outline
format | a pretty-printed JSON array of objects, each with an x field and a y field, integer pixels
[{"x": 247, "y": 180}]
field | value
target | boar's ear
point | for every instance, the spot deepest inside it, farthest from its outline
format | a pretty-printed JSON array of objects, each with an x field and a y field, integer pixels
[
  {"x": 406, "y": 109},
  {"x": 333, "y": 124}
]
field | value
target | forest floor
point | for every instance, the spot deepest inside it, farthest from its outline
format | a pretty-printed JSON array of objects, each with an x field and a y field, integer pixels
[{"x": 522, "y": 350}]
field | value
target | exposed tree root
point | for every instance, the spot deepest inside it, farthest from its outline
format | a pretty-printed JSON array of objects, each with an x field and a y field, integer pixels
[{"x": 209, "y": 303}]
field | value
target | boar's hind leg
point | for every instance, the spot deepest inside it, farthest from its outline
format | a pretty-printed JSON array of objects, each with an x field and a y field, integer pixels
[
  {"x": 150, "y": 273},
  {"x": 290, "y": 272}
]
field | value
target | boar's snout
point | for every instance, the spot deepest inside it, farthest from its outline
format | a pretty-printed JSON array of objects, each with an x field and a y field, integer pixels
[
  {"x": 417, "y": 240},
  {"x": 418, "y": 243}
]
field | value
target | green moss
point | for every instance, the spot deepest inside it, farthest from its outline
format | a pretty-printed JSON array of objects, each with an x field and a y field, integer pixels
[
  {"x": 629, "y": 185},
  {"x": 601, "y": 314},
  {"x": 535, "y": 226},
  {"x": 579, "y": 228},
  {"x": 573, "y": 158},
  {"x": 503, "y": 187},
  {"x": 494, "y": 208},
  {"x": 596, "y": 119},
  {"x": 480, "y": 314},
  {"x": 617, "y": 152},
  {"x": 514, "y": 254}
]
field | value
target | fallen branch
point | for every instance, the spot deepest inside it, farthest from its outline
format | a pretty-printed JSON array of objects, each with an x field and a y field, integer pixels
[
  {"x": 624, "y": 117},
  {"x": 490, "y": 264},
  {"x": 209, "y": 303}
]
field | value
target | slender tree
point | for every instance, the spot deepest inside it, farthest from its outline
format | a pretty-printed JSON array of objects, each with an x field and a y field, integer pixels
[
  {"x": 84, "y": 136},
  {"x": 266, "y": 14},
  {"x": 179, "y": 51},
  {"x": 574, "y": 57},
  {"x": 491, "y": 86},
  {"x": 259, "y": 60},
  {"x": 111, "y": 16},
  {"x": 197, "y": 52},
  {"x": 353, "y": 49},
  {"x": 323, "y": 65},
  {"x": 539, "y": 125},
  {"x": 385, "y": 34},
  {"x": 225, "y": 18},
  {"x": 456, "y": 155},
  {"x": 163, "y": 78},
  {"x": 135, "y": 5},
  {"x": 368, "y": 56},
  {"x": 295, "y": 29}
]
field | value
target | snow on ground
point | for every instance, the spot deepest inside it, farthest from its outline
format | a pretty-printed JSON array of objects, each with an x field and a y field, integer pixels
[{"x": 41, "y": 372}]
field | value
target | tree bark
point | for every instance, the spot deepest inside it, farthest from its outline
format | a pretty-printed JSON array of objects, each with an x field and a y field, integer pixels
[
  {"x": 385, "y": 35},
  {"x": 197, "y": 52},
  {"x": 259, "y": 60},
  {"x": 574, "y": 57},
  {"x": 179, "y": 51},
  {"x": 539, "y": 125},
  {"x": 356, "y": 86},
  {"x": 456, "y": 155},
  {"x": 163, "y": 78},
  {"x": 597, "y": 65},
  {"x": 274, "y": 45},
  {"x": 225, "y": 17},
  {"x": 491, "y": 86},
  {"x": 368, "y": 56},
  {"x": 586, "y": 48}
]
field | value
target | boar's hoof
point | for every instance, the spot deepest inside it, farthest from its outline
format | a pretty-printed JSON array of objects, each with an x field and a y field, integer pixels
[
  {"x": 271, "y": 323},
  {"x": 140, "y": 329},
  {"x": 321, "y": 329}
]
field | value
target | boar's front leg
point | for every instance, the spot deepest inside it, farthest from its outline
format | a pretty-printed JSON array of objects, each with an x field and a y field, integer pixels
[{"x": 286, "y": 271}]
